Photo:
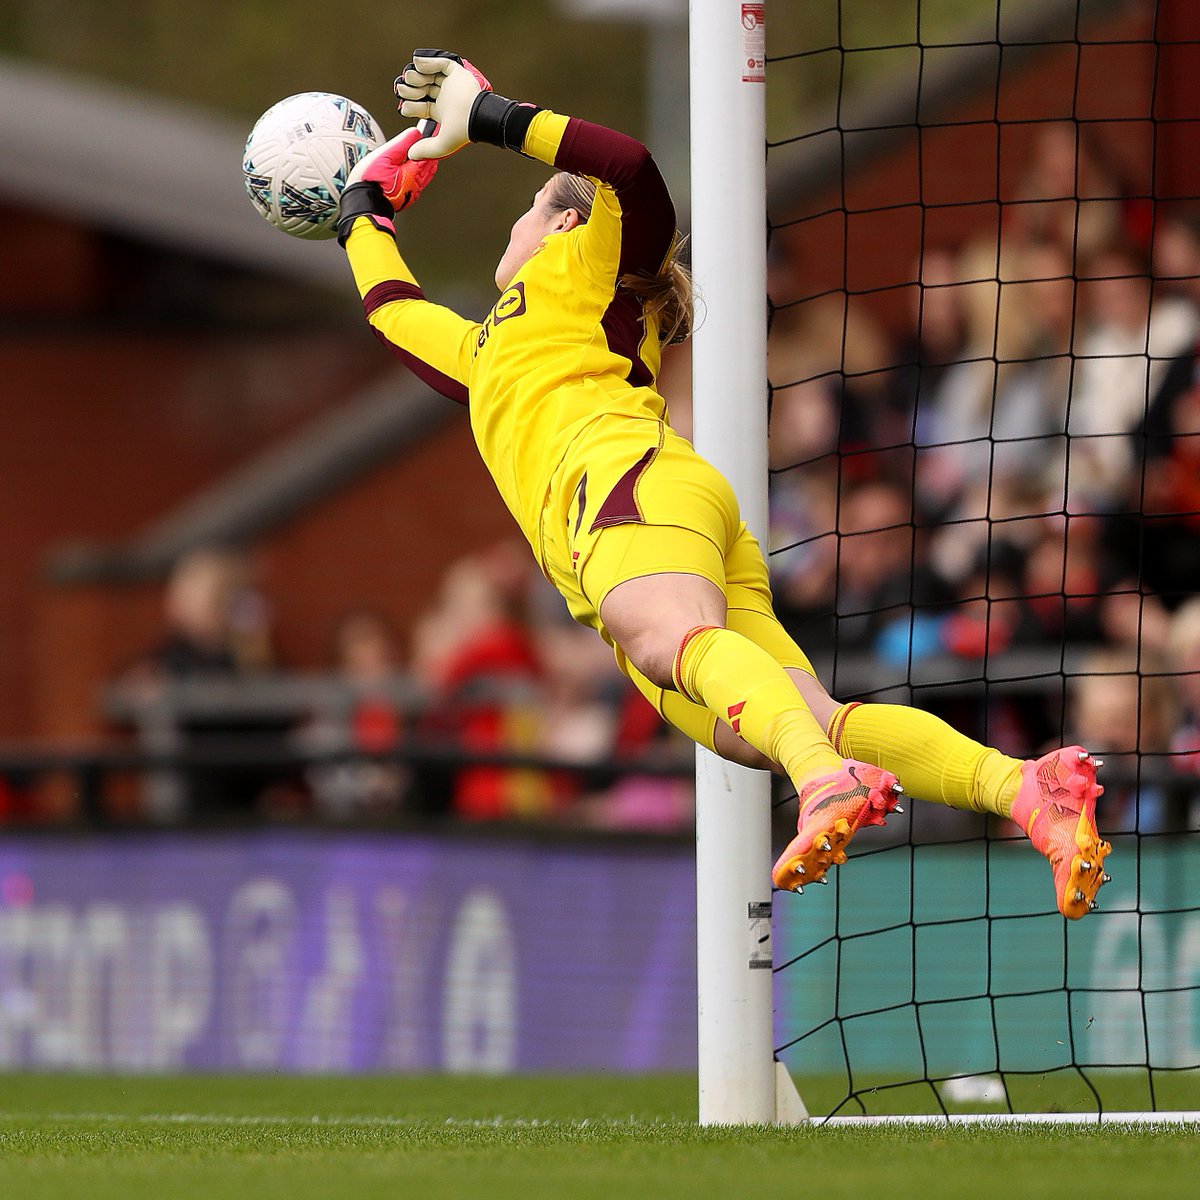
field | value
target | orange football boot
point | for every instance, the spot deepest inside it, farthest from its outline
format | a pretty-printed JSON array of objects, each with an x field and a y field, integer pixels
[
  {"x": 1056, "y": 807},
  {"x": 833, "y": 808}
]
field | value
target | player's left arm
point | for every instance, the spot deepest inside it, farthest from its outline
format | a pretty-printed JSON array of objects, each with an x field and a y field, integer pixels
[
  {"x": 432, "y": 340},
  {"x": 632, "y": 227}
]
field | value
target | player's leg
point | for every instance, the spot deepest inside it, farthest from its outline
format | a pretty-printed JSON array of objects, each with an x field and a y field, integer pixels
[
  {"x": 719, "y": 668},
  {"x": 836, "y": 798},
  {"x": 647, "y": 532},
  {"x": 658, "y": 591},
  {"x": 1052, "y": 798},
  {"x": 939, "y": 763},
  {"x": 647, "y": 546},
  {"x": 833, "y": 808},
  {"x": 933, "y": 759}
]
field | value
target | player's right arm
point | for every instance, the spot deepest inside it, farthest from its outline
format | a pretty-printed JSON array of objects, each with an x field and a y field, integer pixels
[{"x": 432, "y": 340}]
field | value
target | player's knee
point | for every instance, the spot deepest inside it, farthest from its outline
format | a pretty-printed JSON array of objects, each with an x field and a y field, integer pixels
[{"x": 653, "y": 653}]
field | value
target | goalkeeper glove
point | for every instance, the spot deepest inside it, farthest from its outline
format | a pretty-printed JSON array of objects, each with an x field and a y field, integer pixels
[
  {"x": 445, "y": 87},
  {"x": 383, "y": 183}
]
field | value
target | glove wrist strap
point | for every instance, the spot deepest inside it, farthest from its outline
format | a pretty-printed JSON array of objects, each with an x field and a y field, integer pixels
[
  {"x": 363, "y": 200},
  {"x": 500, "y": 121}
]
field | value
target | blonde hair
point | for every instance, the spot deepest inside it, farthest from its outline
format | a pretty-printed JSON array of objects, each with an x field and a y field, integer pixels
[{"x": 667, "y": 296}]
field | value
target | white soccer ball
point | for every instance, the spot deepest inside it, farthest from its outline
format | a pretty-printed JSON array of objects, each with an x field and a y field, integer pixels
[{"x": 298, "y": 156}]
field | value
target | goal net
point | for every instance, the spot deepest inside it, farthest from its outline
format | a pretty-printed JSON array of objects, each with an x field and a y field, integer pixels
[{"x": 984, "y": 250}]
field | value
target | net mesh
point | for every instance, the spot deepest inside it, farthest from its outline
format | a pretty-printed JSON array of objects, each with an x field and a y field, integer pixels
[{"x": 984, "y": 269}]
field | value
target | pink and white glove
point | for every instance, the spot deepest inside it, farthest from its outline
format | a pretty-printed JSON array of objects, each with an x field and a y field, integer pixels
[
  {"x": 384, "y": 182},
  {"x": 393, "y": 167},
  {"x": 443, "y": 87}
]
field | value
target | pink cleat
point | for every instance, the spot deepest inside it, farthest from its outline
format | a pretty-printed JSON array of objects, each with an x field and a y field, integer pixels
[
  {"x": 1056, "y": 806},
  {"x": 833, "y": 808}
]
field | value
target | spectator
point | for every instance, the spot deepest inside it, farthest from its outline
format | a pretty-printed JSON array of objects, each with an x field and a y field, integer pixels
[
  {"x": 1132, "y": 615},
  {"x": 581, "y": 691},
  {"x": 1159, "y": 535},
  {"x": 217, "y": 630},
  {"x": 803, "y": 426},
  {"x": 475, "y": 653},
  {"x": 989, "y": 427},
  {"x": 991, "y": 614},
  {"x": 882, "y": 577},
  {"x": 1068, "y": 196},
  {"x": 1065, "y": 579},
  {"x": 368, "y": 716},
  {"x": 1123, "y": 357},
  {"x": 201, "y": 601},
  {"x": 830, "y": 368},
  {"x": 648, "y": 803},
  {"x": 590, "y": 713},
  {"x": 1175, "y": 254},
  {"x": 801, "y": 360},
  {"x": 804, "y": 551},
  {"x": 1121, "y": 707},
  {"x": 583, "y": 715},
  {"x": 1183, "y": 655},
  {"x": 937, "y": 338}
]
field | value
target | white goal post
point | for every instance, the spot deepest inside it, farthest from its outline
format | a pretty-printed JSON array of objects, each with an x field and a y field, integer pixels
[{"x": 737, "y": 1074}]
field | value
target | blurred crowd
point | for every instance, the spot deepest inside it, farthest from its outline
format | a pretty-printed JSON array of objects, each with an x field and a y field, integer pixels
[
  {"x": 1016, "y": 470},
  {"x": 494, "y": 706}
]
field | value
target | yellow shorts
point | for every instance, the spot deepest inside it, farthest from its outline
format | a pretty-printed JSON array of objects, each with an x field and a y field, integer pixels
[{"x": 634, "y": 499}]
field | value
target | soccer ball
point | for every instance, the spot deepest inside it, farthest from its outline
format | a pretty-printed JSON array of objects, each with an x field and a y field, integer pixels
[{"x": 298, "y": 156}]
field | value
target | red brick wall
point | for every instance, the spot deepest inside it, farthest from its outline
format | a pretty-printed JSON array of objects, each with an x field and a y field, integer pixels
[
  {"x": 104, "y": 432},
  {"x": 383, "y": 542}
]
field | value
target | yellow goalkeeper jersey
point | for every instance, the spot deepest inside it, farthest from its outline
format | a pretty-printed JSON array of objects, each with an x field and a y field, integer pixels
[{"x": 563, "y": 345}]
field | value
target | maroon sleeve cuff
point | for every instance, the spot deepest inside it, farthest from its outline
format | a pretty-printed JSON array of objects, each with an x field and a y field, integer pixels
[
  {"x": 386, "y": 293},
  {"x": 398, "y": 289}
]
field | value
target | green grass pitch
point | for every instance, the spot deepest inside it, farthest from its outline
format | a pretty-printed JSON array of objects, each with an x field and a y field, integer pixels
[{"x": 267, "y": 1137}]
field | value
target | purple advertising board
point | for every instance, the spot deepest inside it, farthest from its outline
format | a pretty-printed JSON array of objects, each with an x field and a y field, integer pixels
[{"x": 298, "y": 951}]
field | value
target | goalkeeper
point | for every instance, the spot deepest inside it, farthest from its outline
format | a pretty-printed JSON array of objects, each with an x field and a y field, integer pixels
[{"x": 640, "y": 535}]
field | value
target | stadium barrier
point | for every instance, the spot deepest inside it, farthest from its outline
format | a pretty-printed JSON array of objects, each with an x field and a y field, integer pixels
[{"x": 259, "y": 724}]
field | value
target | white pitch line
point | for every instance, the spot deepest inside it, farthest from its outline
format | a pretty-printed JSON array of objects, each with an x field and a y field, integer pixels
[
  {"x": 928, "y": 1119},
  {"x": 1113, "y": 1118}
]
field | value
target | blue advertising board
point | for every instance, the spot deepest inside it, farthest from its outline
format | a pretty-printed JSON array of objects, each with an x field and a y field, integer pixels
[{"x": 345, "y": 952}]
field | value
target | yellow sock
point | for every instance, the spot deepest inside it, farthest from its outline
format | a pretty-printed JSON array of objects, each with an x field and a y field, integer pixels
[
  {"x": 754, "y": 695},
  {"x": 932, "y": 760}
]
